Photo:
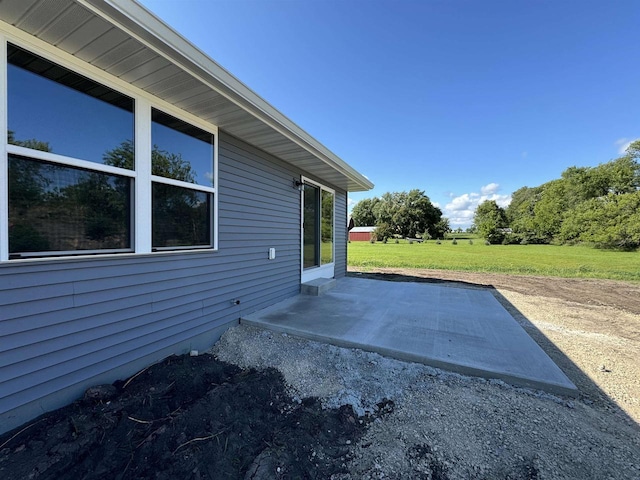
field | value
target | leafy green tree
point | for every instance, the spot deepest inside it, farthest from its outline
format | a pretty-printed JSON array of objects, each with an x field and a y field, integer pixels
[
  {"x": 441, "y": 228},
  {"x": 490, "y": 220},
  {"x": 363, "y": 212},
  {"x": 553, "y": 211},
  {"x": 521, "y": 214},
  {"x": 408, "y": 214},
  {"x": 549, "y": 211},
  {"x": 612, "y": 221},
  {"x": 383, "y": 232}
]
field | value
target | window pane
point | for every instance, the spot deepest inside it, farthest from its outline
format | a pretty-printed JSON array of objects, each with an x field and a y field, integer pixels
[
  {"x": 54, "y": 208},
  {"x": 181, "y": 217},
  {"x": 311, "y": 227},
  {"x": 56, "y": 110},
  {"x": 326, "y": 229},
  {"x": 180, "y": 150}
]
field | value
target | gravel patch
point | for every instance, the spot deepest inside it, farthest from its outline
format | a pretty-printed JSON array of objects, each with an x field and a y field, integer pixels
[{"x": 434, "y": 424}]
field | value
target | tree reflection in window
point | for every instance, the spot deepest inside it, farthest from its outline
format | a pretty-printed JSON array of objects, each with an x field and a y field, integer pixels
[
  {"x": 59, "y": 208},
  {"x": 164, "y": 164},
  {"x": 77, "y": 116},
  {"x": 181, "y": 217},
  {"x": 180, "y": 150},
  {"x": 326, "y": 228}
]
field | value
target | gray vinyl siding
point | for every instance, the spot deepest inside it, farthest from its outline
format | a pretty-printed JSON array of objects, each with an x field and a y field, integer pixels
[
  {"x": 69, "y": 323},
  {"x": 341, "y": 234}
]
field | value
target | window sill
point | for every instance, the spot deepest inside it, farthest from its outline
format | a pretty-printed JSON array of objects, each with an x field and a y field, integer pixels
[{"x": 105, "y": 257}]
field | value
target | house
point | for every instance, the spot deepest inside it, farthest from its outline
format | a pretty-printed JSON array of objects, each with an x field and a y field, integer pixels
[
  {"x": 148, "y": 199},
  {"x": 361, "y": 234}
]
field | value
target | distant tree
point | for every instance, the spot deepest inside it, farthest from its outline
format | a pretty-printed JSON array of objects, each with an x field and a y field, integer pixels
[
  {"x": 553, "y": 211},
  {"x": 549, "y": 211},
  {"x": 441, "y": 228},
  {"x": 383, "y": 232},
  {"x": 490, "y": 221},
  {"x": 612, "y": 221},
  {"x": 408, "y": 214},
  {"x": 521, "y": 213},
  {"x": 363, "y": 212}
]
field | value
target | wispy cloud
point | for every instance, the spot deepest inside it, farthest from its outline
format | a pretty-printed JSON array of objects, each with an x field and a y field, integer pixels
[
  {"x": 461, "y": 208},
  {"x": 489, "y": 189},
  {"x": 623, "y": 144}
]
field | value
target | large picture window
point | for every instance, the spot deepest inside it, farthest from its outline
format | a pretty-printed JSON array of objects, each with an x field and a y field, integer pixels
[
  {"x": 63, "y": 123},
  {"x": 74, "y": 183}
]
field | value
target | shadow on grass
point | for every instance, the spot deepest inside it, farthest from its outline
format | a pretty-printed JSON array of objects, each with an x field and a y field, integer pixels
[{"x": 589, "y": 392}]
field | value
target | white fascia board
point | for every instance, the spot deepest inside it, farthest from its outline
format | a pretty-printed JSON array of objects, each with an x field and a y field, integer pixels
[{"x": 146, "y": 27}]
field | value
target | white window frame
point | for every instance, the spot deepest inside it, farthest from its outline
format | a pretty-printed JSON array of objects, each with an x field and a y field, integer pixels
[
  {"x": 322, "y": 271},
  {"x": 142, "y": 178}
]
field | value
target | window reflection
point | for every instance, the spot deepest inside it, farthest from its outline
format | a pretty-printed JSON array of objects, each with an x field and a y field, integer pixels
[
  {"x": 326, "y": 229},
  {"x": 181, "y": 217},
  {"x": 310, "y": 248},
  {"x": 58, "y": 208},
  {"x": 70, "y": 114},
  {"x": 180, "y": 150}
]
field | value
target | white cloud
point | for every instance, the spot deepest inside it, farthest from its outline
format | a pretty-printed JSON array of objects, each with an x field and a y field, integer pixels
[
  {"x": 350, "y": 204},
  {"x": 623, "y": 144},
  {"x": 489, "y": 189},
  {"x": 461, "y": 208}
]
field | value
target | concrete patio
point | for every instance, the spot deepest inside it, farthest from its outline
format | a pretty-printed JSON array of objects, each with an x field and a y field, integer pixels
[{"x": 465, "y": 330}]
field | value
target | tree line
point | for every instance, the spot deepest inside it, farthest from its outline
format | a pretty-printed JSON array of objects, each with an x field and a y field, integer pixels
[{"x": 595, "y": 205}]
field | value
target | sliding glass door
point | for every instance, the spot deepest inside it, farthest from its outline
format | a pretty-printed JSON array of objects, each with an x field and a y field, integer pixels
[
  {"x": 311, "y": 227},
  {"x": 317, "y": 231}
]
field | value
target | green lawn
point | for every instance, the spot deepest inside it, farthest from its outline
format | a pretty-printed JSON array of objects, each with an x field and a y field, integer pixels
[{"x": 546, "y": 260}]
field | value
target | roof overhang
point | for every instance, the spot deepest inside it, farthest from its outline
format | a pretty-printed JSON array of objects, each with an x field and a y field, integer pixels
[{"x": 124, "y": 39}]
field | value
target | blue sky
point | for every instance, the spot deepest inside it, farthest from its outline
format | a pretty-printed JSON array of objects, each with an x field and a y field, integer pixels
[{"x": 464, "y": 99}]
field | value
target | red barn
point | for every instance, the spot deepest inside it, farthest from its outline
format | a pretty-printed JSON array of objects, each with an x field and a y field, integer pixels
[{"x": 361, "y": 234}]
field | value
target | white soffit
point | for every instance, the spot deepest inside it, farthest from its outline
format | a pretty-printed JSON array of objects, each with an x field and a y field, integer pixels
[{"x": 124, "y": 39}]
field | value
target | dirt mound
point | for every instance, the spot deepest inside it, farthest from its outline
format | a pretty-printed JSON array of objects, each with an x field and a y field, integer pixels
[{"x": 186, "y": 417}]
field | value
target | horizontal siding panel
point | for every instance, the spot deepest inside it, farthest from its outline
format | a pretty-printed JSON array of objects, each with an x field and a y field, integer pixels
[
  {"x": 55, "y": 330},
  {"x": 10, "y": 296},
  {"x": 236, "y": 202},
  {"x": 52, "y": 352},
  {"x": 35, "y": 307}
]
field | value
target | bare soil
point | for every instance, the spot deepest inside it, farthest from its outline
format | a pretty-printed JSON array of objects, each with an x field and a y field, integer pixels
[{"x": 265, "y": 405}]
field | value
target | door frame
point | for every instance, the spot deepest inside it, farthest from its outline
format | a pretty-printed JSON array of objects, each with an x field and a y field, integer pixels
[{"x": 321, "y": 271}]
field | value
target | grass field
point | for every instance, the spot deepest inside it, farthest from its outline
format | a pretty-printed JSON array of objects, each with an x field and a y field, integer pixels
[{"x": 546, "y": 260}]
